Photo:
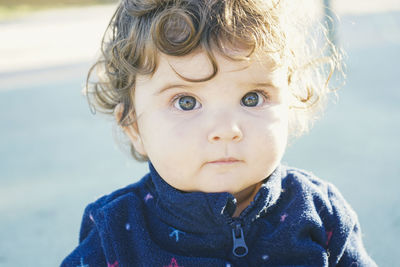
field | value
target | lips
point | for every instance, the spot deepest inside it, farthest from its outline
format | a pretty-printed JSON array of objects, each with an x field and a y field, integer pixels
[{"x": 225, "y": 161}]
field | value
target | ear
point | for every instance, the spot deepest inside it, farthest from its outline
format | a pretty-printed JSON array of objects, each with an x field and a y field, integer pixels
[{"x": 132, "y": 130}]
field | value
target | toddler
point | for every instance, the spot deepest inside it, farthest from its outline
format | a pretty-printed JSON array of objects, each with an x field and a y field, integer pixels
[{"x": 208, "y": 93}]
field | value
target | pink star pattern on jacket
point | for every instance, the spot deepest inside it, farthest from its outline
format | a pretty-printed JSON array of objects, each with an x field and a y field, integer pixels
[
  {"x": 173, "y": 263},
  {"x": 283, "y": 217},
  {"x": 328, "y": 236},
  {"x": 115, "y": 264},
  {"x": 147, "y": 197}
]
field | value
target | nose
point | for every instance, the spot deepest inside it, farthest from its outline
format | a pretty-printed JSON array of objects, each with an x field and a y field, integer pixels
[{"x": 225, "y": 130}]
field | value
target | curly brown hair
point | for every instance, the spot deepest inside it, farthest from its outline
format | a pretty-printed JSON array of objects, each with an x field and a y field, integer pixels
[{"x": 140, "y": 29}]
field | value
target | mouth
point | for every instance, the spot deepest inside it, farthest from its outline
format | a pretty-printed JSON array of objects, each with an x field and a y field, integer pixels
[{"x": 224, "y": 161}]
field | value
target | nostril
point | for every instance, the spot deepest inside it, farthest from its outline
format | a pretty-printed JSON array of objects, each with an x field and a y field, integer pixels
[{"x": 225, "y": 134}]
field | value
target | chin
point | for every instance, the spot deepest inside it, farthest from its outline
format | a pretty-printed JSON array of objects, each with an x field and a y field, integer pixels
[{"x": 224, "y": 188}]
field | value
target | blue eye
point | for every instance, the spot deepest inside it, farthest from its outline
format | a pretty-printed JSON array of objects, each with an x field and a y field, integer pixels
[
  {"x": 186, "y": 103},
  {"x": 252, "y": 99}
]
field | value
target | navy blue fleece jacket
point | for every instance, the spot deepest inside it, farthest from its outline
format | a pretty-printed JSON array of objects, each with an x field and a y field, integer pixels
[{"x": 295, "y": 219}]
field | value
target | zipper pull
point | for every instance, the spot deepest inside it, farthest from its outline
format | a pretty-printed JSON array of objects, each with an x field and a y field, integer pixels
[{"x": 239, "y": 245}]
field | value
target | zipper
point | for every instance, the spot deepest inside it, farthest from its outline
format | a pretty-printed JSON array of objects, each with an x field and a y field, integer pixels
[{"x": 239, "y": 245}]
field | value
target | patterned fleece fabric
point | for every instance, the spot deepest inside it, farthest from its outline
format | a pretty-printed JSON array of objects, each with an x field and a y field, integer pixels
[{"x": 296, "y": 219}]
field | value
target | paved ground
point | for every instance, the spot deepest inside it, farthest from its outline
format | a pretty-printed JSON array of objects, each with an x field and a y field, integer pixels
[
  {"x": 53, "y": 37},
  {"x": 55, "y": 157}
]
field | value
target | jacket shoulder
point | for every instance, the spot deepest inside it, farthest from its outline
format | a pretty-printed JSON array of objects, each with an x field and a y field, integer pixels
[
  {"x": 91, "y": 250},
  {"x": 327, "y": 207},
  {"x": 320, "y": 191},
  {"x": 135, "y": 188}
]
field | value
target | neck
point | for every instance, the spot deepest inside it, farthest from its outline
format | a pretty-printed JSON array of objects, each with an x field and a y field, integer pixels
[{"x": 245, "y": 197}]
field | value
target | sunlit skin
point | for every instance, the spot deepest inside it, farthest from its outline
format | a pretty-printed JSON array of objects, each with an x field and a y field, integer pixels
[{"x": 226, "y": 134}]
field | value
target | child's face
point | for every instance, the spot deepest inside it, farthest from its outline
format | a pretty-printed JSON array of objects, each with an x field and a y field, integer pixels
[{"x": 222, "y": 135}]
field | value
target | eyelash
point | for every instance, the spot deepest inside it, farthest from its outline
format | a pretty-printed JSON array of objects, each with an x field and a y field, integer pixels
[
  {"x": 178, "y": 96},
  {"x": 263, "y": 93}
]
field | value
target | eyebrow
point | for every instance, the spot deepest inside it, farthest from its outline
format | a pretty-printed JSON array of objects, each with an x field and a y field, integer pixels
[
  {"x": 269, "y": 84},
  {"x": 187, "y": 86},
  {"x": 169, "y": 86},
  {"x": 264, "y": 84}
]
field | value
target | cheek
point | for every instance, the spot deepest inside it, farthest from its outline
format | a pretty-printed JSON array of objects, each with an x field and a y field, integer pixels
[
  {"x": 270, "y": 132},
  {"x": 270, "y": 140},
  {"x": 168, "y": 139},
  {"x": 273, "y": 119},
  {"x": 170, "y": 148}
]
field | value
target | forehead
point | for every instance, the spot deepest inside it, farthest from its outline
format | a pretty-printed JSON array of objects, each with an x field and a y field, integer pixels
[{"x": 258, "y": 68}]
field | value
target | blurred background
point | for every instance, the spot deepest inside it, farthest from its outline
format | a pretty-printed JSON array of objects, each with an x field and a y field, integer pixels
[{"x": 56, "y": 157}]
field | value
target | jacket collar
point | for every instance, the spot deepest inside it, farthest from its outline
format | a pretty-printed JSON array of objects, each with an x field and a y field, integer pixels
[{"x": 200, "y": 212}]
